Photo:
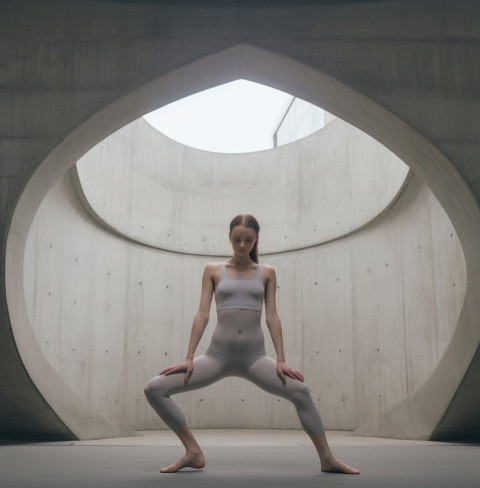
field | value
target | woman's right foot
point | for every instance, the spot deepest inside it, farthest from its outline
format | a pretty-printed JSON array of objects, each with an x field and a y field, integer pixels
[{"x": 190, "y": 460}]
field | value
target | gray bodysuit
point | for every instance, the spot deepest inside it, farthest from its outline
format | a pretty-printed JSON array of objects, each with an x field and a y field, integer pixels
[{"x": 236, "y": 349}]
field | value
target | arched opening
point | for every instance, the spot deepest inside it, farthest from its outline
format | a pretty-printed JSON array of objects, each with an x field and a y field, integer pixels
[{"x": 257, "y": 65}]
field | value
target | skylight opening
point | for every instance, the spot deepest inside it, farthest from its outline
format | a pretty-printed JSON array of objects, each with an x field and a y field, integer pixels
[{"x": 237, "y": 117}]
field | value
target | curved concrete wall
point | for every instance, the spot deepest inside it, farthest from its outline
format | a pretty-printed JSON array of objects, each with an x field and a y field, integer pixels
[
  {"x": 161, "y": 193},
  {"x": 366, "y": 317},
  {"x": 77, "y": 72}
]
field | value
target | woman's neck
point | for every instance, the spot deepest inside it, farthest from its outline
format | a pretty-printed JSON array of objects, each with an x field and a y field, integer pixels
[{"x": 241, "y": 261}]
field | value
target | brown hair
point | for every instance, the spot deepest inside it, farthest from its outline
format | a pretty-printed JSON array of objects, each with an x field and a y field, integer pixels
[{"x": 248, "y": 221}]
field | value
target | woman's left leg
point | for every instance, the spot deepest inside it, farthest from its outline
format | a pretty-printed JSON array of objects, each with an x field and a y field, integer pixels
[{"x": 264, "y": 374}]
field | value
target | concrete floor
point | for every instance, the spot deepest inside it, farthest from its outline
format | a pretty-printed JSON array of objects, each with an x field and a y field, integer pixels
[{"x": 239, "y": 458}]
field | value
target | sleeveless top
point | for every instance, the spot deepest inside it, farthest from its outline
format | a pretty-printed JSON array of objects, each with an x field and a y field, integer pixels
[{"x": 244, "y": 293}]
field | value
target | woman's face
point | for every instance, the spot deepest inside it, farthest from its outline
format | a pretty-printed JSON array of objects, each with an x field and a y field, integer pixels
[{"x": 243, "y": 239}]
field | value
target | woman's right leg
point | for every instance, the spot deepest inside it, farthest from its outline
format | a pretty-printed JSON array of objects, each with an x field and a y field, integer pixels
[{"x": 205, "y": 372}]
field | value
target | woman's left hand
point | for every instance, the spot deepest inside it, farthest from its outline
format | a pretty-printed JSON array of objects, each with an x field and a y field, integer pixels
[{"x": 284, "y": 370}]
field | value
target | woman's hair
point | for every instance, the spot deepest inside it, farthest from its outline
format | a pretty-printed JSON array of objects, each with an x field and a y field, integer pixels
[{"x": 248, "y": 221}]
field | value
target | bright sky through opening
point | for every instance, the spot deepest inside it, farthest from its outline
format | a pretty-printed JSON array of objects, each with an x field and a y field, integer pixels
[{"x": 236, "y": 117}]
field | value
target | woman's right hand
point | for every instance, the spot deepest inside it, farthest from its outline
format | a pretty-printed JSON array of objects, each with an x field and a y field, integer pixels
[{"x": 186, "y": 366}]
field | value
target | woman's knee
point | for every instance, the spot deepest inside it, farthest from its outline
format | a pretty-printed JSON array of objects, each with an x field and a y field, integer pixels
[
  {"x": 299, "y": 391},
  {"x": 154, "y": 387}
]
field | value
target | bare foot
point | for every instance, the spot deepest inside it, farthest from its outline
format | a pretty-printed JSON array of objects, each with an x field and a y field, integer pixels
[
  {"x": 190, "y": 460},
  {"x": 333, "y": 465}
]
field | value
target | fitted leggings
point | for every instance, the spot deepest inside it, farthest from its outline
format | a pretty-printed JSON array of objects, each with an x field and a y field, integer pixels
[{"x": 236, "y": 349}]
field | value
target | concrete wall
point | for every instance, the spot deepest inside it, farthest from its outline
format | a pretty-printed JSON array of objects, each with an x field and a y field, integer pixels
[
  {"x": 366, "y": 317},
  {"x": 166, "y": 195},
  {"x": 75, "y": 72}
]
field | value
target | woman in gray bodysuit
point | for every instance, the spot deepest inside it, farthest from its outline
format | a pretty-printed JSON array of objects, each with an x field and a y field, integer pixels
[{"x": 237, "y": 348}]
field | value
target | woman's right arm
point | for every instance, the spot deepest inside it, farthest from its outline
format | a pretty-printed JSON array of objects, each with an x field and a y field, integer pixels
[{"x": 199, "y": 323}]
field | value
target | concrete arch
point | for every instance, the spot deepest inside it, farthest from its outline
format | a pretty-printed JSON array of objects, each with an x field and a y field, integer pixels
[
  {"x": 153, "y": 180},
  {"x": 420, "y": 415}
]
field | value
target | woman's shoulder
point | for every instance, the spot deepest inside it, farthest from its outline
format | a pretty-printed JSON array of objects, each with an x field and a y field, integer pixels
[
  {"x": 268, "y": 270},
  {"x": 212, "y": 273},
  {"x": 212, "y": 268}
]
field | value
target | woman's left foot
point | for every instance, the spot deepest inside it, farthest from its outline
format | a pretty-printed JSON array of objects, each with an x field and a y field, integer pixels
[
  {"x": 189, "y": 460},
  {"x": 335, "y": 466}
]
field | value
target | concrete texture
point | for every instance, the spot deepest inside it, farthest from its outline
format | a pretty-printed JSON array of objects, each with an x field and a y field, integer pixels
[
  {"x": 366, "y": 317},
  {"x": 239, "y": 458},
  {"x": 74, "y": 72},
  {"x": 157, "y": 192}
]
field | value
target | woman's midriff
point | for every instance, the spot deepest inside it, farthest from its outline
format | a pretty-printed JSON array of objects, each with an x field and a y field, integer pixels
[{"x": 237, "y": 341}]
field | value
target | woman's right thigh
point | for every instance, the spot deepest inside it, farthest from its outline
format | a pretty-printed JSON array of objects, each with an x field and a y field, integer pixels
[{"x": 205, "y": 372}]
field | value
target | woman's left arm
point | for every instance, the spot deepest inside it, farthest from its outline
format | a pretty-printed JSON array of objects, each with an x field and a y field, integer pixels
[{"x": 274, "y": 325}]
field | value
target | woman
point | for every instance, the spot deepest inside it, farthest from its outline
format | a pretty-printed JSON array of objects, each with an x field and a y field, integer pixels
[{"x": 237, "y": 348}]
